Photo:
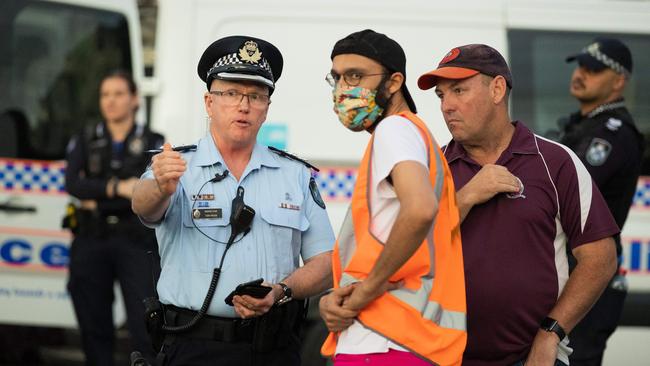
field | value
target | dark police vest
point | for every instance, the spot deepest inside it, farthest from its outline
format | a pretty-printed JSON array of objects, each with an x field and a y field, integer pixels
[
  {"x": 611, "y": 148},
  {"x": 103, "y": 161}
]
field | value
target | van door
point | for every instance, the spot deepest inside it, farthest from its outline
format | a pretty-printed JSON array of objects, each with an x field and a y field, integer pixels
[{"x": 53, "y": 57}]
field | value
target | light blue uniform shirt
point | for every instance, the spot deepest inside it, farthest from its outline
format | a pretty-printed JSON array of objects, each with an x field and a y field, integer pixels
[{"x": 288, "y": 224}]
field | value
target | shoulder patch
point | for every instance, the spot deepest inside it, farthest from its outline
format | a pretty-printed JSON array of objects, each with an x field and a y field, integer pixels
[
  {"x": 285, "y": 154},
  {"x": 613, "y": 124},
  {"x": 598, "y": 152},
  {"x": 315, "y": 193}
]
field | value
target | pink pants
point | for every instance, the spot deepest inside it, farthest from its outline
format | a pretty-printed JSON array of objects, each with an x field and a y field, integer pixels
[{"x": 390, "y": 358}]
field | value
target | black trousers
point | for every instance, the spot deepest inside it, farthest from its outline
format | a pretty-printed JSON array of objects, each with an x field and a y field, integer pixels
[
  {"x": 589, "y": 337},
  {"x": 195, "y": 352},
  {"x": 95, "y": 264}
]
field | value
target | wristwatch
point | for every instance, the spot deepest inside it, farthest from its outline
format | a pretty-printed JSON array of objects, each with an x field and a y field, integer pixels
[
  {"x": 286, "y": 290},
  {"x": 551, "y": 325}
]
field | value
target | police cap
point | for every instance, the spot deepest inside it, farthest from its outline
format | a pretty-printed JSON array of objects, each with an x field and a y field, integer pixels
[
  {"x": 241, "y": 58},
  {"x": 603, "y": 53}
]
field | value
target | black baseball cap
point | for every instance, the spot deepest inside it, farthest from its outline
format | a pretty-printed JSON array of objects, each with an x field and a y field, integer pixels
[
  {"x": 378, "y": 47},
  {"x": 603, "y": 53},
  {"x": 241, "y": 58},
  {"x": 466, "y": 61}
]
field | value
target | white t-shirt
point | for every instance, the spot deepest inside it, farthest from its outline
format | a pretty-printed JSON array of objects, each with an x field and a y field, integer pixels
[{"x": 396, "y": 140}]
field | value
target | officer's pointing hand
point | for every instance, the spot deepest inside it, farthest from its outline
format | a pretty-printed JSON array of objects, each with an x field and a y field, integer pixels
[{"x": 168, "y": 166}]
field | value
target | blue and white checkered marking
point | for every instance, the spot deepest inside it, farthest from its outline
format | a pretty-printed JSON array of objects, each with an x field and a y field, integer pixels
[
  {"x": 336, "y": 184},
  {"x": 636, "y": 255},
  {"x": 32, "y": 176},
  {"x": 642, "y": 195}
]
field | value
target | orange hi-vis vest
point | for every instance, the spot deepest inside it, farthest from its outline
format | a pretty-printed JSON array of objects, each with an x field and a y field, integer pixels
[{"x": 427, "y": 315}]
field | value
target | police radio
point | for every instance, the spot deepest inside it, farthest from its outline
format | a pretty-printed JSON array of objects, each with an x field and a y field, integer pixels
[
  {"x": 241, "y": 218},
  {"x": 241, "y": 215}
]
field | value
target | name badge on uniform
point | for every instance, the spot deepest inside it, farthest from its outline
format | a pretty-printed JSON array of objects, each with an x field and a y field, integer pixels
[
  {"x": 206, "y": 213},
  {"x": 203, "y": 197},
  {"x": 289, "y": 206}
]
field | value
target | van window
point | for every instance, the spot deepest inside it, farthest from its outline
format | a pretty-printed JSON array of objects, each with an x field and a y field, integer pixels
[
  {"x": 541, "y": 79},
  {"x": 53, "y": 58}
]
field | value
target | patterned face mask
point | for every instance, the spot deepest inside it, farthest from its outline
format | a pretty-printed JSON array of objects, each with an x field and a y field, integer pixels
[{"x": 356, "y": 107}]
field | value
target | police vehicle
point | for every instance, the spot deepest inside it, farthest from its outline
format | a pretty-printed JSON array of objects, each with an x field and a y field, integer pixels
[{"x": 54, "y": 53}]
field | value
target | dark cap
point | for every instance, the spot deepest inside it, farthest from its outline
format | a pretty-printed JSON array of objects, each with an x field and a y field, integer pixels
[
  {"x": 241, "y": 58},
  {"x": 465, "y": 61},
  {"x": 603, "y": 53},
  {"x": 378, "y": 47}
]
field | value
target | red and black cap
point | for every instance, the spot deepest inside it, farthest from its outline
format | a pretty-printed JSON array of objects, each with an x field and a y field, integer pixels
[
  {"x": 378, "y": 47},
  {"x": 466, "y": 61},
  {"x": 241, "y": 58},
  {"x": 603, "y": 53}
]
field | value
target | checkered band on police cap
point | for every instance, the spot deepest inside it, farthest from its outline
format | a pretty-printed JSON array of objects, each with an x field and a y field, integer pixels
[
  {"x": 241, "y": 58},
  {"x": 233, "y": 59},
  {"x": 605, "y": 53}
]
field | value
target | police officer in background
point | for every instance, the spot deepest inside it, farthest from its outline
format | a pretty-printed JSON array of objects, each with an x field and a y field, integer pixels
[
  {"x": 103, "y": 163},
  {"x": 229, "y": 211},
  {"x": 603, "y": 135}
]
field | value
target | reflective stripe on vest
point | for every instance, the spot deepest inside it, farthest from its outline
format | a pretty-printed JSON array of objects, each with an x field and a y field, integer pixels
[
  {"x": 429, "y": 309},
  {"x": 427, "y": 315}
]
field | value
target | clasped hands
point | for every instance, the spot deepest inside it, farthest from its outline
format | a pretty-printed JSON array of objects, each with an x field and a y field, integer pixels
[{"x": 340, "y": 307}]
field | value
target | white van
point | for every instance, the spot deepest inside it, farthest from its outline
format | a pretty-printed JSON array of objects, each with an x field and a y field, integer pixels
[
  {"x": 53, "y": 55},
  {"x": 58, "y": 50}
]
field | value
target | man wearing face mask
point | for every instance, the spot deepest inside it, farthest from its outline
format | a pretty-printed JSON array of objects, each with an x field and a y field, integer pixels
[{"x": 385, "y": 307}]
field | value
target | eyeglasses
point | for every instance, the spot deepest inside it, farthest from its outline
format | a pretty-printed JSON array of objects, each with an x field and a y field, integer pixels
[
  {"x": 233, "y": 98},
  {"x": 352, "y": 78}
]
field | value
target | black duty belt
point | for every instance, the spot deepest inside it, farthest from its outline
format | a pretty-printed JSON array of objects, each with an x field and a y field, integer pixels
[{"x": 214, "y": 328}]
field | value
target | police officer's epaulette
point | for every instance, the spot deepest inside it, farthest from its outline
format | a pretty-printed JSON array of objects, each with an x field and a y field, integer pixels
[{"x": 292, "y": 157}]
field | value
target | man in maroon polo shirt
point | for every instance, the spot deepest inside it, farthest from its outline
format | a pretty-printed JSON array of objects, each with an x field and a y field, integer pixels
[{"x": 522, "y": 200}]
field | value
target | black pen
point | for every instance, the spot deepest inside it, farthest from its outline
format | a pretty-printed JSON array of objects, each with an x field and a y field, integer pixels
[{"x": 182, "y": 148}]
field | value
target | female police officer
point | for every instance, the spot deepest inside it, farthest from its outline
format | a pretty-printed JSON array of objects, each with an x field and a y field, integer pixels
[{"x": 103, "y": 163}]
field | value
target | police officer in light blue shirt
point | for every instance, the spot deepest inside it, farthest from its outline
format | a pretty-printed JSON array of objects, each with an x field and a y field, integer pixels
[{"x": 200, "y": 200}]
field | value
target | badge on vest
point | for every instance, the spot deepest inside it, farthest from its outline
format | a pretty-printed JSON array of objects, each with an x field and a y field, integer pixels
[
  {"x": 598, "y": 152},
  {"x": 206, "y": 213},
  {"x": 136, "y": 146},
  {"x": 315, "y": 194}
]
